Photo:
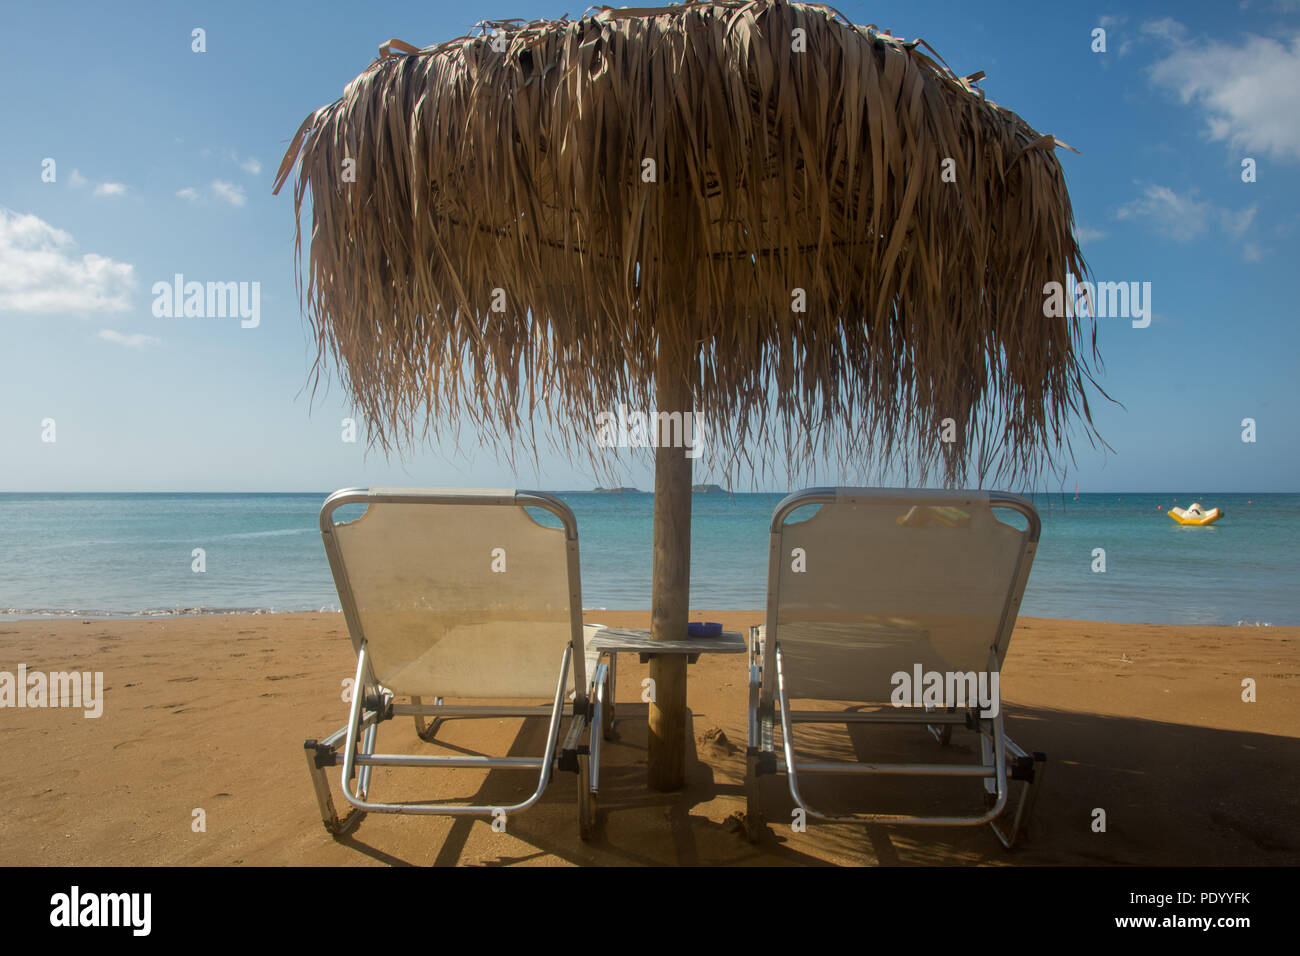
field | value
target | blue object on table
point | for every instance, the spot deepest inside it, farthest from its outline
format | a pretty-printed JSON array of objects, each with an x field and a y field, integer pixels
[{"x": 703, "y": 629}]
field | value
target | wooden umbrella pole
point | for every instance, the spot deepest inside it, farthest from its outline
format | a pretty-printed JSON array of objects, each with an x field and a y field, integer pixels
[{"x": 671, "y": 588}]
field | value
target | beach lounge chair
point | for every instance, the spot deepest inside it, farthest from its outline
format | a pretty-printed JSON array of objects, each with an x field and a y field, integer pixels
[
  {"x": 459, "y": 594},
  {"x": 871, "y": 584}
]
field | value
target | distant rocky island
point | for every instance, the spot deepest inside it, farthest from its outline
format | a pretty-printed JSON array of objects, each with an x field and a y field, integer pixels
[{"x": 696, "y": 489}]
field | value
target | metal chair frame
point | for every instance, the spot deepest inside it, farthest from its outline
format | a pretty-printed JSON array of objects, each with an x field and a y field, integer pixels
[
  {"x": 372, "y": 703},
  {"x": 1002, "y": 760}
]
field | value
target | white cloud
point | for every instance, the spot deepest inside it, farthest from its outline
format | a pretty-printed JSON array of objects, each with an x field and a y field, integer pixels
[
  {"x": 1249, "y": 92},
  {"x": 1179, "y": 217},
  {"x": 1184, "y": 217},
  {"x": 1236, "y": 223},
  {"x": 228, "y": 192},
  {"x": 1111, "y": 24},
  {"x": 41, "y": 273},
  {"x": 135, "y": 340},
  {"x": 1166, "y": 28},
  {"x": 79, "y": 181},
  {"x": 251, "y": 165},
  {"x": 218, "y": 189},
  {"x": 1085, "y": 234}
]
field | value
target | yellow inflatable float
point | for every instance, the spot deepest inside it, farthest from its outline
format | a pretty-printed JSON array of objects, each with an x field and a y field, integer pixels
[{"x": 1194, "y": 514}]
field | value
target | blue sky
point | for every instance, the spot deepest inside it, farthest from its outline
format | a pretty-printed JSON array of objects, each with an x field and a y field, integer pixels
[{"x": 164, "y": 159}]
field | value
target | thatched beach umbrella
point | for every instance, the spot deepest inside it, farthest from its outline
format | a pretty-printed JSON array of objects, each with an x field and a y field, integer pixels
[{"x": 816, "y": 234}]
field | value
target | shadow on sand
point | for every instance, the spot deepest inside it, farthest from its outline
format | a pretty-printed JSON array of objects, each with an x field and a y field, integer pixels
[{"x": 1172, "y": 795}]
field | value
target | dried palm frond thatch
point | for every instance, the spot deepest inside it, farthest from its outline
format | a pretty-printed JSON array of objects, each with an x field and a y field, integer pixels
[{"x": 518, "y": 223}]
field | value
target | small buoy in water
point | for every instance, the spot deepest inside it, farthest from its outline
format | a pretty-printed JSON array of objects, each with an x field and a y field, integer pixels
[
  {"x": 1249, "y": 502},
  {"x": 1159, "y": 507}
]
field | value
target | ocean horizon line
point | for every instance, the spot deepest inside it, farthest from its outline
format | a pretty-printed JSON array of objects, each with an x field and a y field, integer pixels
[{"x": 1108, "y": 556}]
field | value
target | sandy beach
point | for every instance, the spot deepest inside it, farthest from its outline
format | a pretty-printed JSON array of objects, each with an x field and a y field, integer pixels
[{"x": 1146, "y": 722}]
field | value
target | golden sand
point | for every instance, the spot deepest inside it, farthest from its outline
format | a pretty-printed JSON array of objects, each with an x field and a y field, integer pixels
[{"x": 209, "y": 713}]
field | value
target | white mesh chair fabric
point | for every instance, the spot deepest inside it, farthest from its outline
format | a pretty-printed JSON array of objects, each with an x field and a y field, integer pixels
[
  {"x": 459, "y": 600},
  {"x": 869, "y": 586},
  {"x": 866, "y": 583}
]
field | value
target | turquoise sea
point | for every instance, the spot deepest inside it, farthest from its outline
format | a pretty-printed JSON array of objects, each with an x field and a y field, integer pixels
[{"x": 124, "y": 554}]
